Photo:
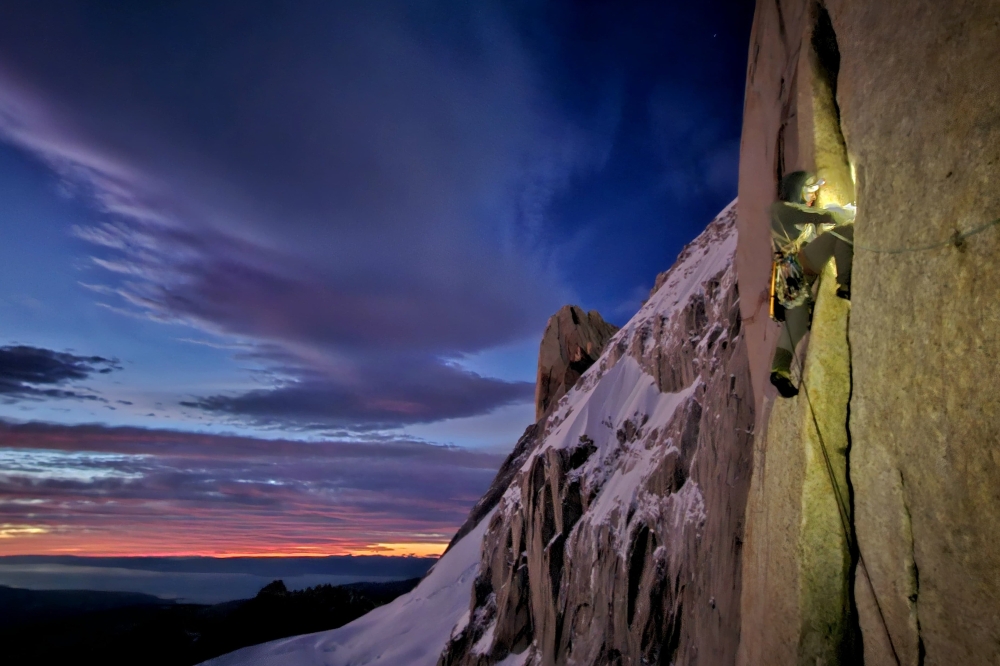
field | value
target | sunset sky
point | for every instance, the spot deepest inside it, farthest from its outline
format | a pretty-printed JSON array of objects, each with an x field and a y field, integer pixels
[{"x": 273, "y": 275}]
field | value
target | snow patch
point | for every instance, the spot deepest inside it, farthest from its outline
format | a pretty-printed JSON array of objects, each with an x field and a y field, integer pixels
[
  {"x": 516, "y": 659},
  {"x": 484, "y": 644}
]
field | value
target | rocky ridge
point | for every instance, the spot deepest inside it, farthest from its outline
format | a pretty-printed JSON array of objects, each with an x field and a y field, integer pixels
[
  {"x": 613, "y": 533},
  {"x": 619, "y": 537},
  {"x": 572, "y": 342}
]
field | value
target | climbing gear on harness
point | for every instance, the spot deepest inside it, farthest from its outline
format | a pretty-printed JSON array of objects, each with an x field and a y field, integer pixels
[
  {"x": 776, "y": 310},
  {"x": 791, "y": 287}
]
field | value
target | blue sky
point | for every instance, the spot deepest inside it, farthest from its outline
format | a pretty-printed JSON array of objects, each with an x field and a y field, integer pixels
[{"x": 340, "y": 221}]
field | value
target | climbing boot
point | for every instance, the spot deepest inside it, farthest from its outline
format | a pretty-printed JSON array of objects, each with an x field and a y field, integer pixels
[
  {"x": 781, "y": 373},
  {"x": 782, "y": 382}
]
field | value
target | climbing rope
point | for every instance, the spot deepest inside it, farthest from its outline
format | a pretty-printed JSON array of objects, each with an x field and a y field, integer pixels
[
  {"x": 957, "y": 239},
  {"x": 842, "y": 508}
]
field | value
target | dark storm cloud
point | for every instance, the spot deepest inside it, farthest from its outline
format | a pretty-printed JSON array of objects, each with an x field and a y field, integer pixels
[
  {"x": 36, "y": 373},
  {"x": 388, "y": 395},
  {"x": 161, "y": 491}
]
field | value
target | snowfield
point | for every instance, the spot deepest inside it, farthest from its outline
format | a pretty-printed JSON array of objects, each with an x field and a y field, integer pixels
[{"x": 410, "y": 631}]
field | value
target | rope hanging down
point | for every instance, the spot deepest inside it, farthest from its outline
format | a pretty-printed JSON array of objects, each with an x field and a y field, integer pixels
[
  {"x": 957, "y": 239},
  {"x": 842, "y": 508}
]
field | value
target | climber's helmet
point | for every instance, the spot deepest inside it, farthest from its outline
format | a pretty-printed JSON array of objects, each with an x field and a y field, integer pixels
[{"x": 799, "y": 187}]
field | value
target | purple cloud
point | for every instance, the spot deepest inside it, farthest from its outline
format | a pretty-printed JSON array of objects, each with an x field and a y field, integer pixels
[
  {"x": 388, "y": 395},
  {"x": 387, "y": 199}
]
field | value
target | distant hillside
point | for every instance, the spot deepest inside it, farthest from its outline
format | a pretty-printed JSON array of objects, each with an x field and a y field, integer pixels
[
  {"x": 19, "y": 607},
  {"x": 370, "y": 566},
  {"x": 202, "y": 580},
  {"x": 111, "y": 628}
]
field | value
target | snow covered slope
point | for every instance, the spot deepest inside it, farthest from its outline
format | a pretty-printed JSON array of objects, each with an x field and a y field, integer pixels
[
  {"x": 619, "y": 539},
  {"x": 410, "y": 630}
]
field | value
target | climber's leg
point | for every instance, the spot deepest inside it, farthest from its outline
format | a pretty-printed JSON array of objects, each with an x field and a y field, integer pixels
[
  {"x": 817, "y": 253},
  {"x": 795, "y": 326}
]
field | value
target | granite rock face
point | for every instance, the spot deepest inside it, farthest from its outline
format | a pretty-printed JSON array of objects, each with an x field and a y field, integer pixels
[
  {"x": 799, "y": 561},
  {"x": 895, "y": 103},
  {"x": 620, "y": 537},
  {"x": 573, "y": 340},
  {"x": 921, "y": 116}
]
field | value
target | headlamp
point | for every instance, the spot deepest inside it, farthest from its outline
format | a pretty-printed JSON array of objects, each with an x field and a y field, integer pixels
[{"x": 812, "y": 187}]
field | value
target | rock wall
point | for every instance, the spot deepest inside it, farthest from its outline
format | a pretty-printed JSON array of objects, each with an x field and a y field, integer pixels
[
  {"x": 904, "y": 110},
  {"x": 620, "y": 538},
  {"x": 921, "y": 115},
  {"x": 798, "y": 604},
  {"x": 572, "y": 341}
]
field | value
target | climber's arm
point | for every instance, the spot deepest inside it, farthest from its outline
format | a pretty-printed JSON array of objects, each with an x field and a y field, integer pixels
[{"x": 789, "y": 221}]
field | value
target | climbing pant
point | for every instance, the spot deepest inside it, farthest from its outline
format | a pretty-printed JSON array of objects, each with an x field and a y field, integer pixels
[
  {"x": 795, "y": 326},
  {"x": 818, "y": 251}
]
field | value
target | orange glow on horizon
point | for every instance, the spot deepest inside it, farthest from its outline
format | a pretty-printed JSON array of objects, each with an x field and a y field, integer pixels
[
  {"x": 402, "y": 549},
  {"x": 24, "y": 542}
]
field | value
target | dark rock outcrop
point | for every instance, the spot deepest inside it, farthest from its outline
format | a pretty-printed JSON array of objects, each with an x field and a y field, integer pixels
[{"x": 573, "y": 340}]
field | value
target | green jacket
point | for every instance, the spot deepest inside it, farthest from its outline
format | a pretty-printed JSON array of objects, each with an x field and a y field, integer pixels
[{"x": 792, "y": 227}]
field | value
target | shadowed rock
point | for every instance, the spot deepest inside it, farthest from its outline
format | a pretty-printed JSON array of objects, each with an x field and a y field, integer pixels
[{"x": 573, "y": 340}]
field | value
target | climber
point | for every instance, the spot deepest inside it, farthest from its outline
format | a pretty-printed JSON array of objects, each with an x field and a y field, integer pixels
[{"x": 804, "y": 238}]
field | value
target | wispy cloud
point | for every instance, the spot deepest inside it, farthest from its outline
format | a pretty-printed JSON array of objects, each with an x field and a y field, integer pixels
[
  {"x": 389, "y": 200},
  {"x": 102, "y": 490}
]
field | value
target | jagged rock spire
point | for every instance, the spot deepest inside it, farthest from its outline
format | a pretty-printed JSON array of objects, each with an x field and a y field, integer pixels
[{"x": 573, "y": 340}]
